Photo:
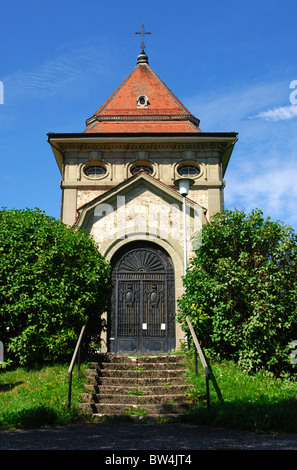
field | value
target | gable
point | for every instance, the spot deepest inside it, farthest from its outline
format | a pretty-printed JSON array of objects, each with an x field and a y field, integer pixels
[
  {"x": 140, "y": 205},
  {"x": 142, "y": 81}
]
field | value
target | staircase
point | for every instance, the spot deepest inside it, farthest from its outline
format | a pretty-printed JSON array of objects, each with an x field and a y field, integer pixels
[{"x": 137, "y": 387}]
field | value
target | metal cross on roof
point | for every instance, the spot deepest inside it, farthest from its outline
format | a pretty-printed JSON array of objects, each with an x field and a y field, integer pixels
[{"x": 143, "y": 33}]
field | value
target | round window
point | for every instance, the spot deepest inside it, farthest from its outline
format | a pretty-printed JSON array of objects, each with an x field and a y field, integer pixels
[
  {"x": 188, "y": 171},
  {"x": 145, "y": 168},
  {"x": 95, "y": 171},
  {"x": 142, "y": 100}
]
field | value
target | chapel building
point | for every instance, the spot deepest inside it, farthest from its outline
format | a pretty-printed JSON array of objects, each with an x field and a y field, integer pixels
[{"x": 119, "y": 182}]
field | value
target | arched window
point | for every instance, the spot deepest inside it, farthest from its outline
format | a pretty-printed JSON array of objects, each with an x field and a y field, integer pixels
[{"x": 142, "y": 101}]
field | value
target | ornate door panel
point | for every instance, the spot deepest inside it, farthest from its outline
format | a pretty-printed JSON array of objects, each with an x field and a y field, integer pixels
[{"x": 141, "y": 317}]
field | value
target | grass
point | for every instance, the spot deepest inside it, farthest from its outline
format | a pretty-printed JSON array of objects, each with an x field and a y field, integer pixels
[
  {"x": 39, "y": 397},
  {"x": 255, "y": 402},
  {"x": 135, "y": 392},
  {"x": 135, "y": 411}
]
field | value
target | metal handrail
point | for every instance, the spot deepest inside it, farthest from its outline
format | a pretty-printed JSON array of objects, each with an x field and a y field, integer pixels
[
  {"x": 206, "y": 366},
  {"x": 202, "y": 359},
  {"x": 76, "y": 352}
]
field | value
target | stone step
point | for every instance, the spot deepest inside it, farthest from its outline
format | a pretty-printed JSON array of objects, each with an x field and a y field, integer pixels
[
  {"x": 126, "y": 385},
  {"x": 147, "y": 390},
  {"x": 147, "y": 381},
  {"x": 104, "y": 373},
  {"x": 162, "y": 358},
  {"x": 109, "y": 358},
  {"x": 147, "y": 366},
  {"x": 126, "y": 409},
  {"x": 133, "y": 399}
]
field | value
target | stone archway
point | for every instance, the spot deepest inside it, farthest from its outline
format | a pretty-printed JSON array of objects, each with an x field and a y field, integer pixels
[{"x": 142, "y": 311}]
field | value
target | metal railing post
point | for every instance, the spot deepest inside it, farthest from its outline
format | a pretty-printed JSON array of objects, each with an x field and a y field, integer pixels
[
  {"x": 196, "y": 362},
  {"x": 207, "y": 393},
  {"x": 202, "y": 359},
  {"x": 76, "y": 352},
  {"x": 207, "y": 369}
]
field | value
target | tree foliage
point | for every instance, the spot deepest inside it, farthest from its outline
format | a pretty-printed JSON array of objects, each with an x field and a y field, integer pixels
[
  {"x": 53, "y": 280},
  {"x": 241, "y": 290}
]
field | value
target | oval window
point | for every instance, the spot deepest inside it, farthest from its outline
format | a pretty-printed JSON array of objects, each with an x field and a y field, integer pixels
[
  {"x": 145, "y": 168},
  {"x": 95, "y": 171},
  {"x": 188, "y": 170}
]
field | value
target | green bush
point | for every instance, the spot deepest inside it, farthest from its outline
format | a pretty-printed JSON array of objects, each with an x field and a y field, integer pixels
[
  {"x": 241, "y": 290},
  {"x": 53, "y": 280}
]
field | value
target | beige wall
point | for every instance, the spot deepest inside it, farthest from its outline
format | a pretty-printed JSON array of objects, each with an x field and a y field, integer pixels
[
  {"x": 151, "y": 212},
  {"x": 78, "y": 189},
  {"x": 141, "y": 210}
]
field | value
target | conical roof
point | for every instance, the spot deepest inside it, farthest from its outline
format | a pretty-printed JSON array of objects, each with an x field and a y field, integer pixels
[{"x": 142, "y": 103}]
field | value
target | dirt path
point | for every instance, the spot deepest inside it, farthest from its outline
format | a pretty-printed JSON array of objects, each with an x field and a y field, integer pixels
[{"x": 136, "y": 436}]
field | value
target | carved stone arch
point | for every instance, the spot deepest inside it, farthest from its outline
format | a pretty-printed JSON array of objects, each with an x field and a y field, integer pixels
[{"x": 142, "y": 310}]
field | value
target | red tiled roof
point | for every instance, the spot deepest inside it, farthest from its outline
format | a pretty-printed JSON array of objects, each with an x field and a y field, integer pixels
[{"x": 163, "y": 113}]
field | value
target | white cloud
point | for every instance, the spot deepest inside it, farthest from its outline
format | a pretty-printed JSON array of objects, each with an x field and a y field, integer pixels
[
  {"x": 278, "y": 114},
  {"x": 270, "y": 185},
  {"x": 262, "y": 172},
  {"x": 74, "y": 65},
  {"x": 229, "y": 108}
]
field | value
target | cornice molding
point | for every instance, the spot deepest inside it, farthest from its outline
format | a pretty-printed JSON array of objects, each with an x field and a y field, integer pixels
[{"x": 142, "y": 146}]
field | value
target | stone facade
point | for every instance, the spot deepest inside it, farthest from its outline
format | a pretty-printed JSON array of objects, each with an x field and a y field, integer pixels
[
  {"x": 79, "y": 189},
  {"x": 121, "y": 185}
]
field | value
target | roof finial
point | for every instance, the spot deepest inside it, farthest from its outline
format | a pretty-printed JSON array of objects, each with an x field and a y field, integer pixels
[{"x": 143, "y": 33}]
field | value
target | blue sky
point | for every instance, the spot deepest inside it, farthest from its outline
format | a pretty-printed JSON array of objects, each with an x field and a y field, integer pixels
[{"x": 230, "y": 62}]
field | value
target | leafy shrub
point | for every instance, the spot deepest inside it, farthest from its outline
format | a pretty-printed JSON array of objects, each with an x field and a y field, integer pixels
[
  {"x": 241, "y": 290},
  {"x": 53, "y": 280}
]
